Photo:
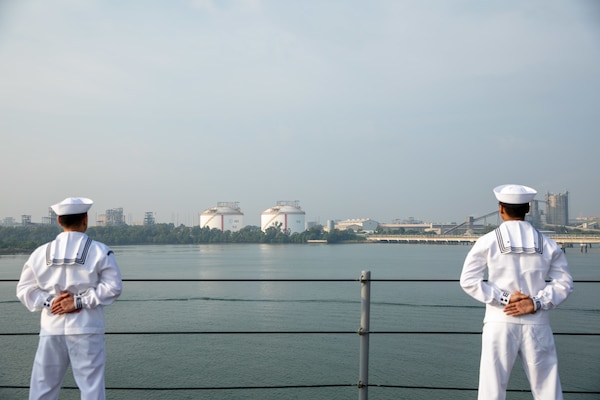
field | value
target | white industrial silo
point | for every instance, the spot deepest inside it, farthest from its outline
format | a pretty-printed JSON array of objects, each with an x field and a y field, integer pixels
[
  {"x": 287, "y": 214},
  {"x": 226, "y": 216}
]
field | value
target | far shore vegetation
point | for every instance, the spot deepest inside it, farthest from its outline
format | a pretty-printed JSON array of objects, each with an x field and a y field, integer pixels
[
  {"x": 19, "y": 239},
  {"x": 25, "y": 238}
]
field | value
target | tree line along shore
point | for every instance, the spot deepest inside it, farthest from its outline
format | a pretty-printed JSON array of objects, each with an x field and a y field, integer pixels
[{"x": 24, "y": 239}]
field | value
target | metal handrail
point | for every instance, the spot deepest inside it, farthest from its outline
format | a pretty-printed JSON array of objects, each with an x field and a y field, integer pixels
[{"x": 364, "y": 331}]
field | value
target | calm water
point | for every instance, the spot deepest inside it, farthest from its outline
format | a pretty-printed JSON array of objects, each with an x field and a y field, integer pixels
[{"x": 226, "y": 360}]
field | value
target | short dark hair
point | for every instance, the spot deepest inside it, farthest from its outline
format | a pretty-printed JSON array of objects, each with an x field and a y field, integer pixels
[
  {"x": 71, "y": 220},
  {"x": 515, "y": 210}
]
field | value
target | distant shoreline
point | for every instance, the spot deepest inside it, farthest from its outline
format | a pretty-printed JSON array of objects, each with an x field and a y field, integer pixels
[{"x": 14, "y": 252}]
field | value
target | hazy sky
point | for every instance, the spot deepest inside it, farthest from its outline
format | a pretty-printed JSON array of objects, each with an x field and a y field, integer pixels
[{"x": 380, "y": 109}]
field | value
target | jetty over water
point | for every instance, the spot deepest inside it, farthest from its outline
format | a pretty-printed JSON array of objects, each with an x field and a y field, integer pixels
[{"x": 563, "y": 240}]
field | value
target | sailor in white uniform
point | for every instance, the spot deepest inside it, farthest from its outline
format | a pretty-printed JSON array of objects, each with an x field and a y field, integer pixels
[
  {"x": 70, "y": 280},
  {"x": 528, "y": 275}
]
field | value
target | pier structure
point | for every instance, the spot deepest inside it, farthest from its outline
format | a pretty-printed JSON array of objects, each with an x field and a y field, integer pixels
[{"x": 563, "y": 240}]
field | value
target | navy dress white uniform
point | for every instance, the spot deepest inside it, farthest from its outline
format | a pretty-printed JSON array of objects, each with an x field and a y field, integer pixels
[
  {"x": 518, "y": 258},
  {"x": 87, "y": 269}
]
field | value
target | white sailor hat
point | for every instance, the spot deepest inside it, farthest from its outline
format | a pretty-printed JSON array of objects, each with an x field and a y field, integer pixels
[
  {"x": 72, "y": 205},
  {"x": 514, "y": 194}
]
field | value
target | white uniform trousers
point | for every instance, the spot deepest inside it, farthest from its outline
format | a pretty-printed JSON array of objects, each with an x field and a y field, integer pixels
[
  {"x": 85, "y": 353},
  {"x": 501, "y": 343}
]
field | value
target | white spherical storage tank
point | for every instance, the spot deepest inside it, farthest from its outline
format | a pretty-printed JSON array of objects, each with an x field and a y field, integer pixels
[
  {"x": 226, "y": 216},
  {"x": 286, "y": 214}
]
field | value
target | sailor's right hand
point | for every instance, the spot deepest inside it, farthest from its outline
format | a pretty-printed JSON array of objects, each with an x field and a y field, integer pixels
[
  {"x": 519, "y": 308},
  {"x": 64, "y": 303},
  {"x": 517, "y": 297}
]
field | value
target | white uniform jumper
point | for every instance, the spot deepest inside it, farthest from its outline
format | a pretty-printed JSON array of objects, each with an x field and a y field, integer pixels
[
  {"x": 88, "y": 269},
  {"x": 517, "y": 257}
]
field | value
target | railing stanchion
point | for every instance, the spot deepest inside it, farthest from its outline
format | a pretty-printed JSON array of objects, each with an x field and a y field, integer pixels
[{"x": 365, "y": 296}]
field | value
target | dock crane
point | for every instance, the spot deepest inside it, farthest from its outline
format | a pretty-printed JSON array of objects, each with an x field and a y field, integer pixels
[{"x": 469, "y": 222}]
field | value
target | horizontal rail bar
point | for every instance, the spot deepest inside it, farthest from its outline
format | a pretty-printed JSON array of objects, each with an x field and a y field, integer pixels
[
  {"x": 296, "y": 280},
  {"x": 196, "y": 388},
  {"x": 300, "y": 333},
  {"x": 469, "y": 389},
  {"x": 202, "y": 387}
]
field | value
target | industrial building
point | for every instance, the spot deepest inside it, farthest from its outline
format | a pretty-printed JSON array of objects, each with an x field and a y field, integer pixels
[
  {"x": 287, "y": 215},
  {"x": 226, "y": 216},
  {"x": 51, "y": 218},
  {"x": 149, "y": 218},
  {"x": 8, "y": 221},
  {"x": 113, "y": 217},
  {"x": 421, "y": 227},
  {"x": 357, "y": 225},
  {"x": 557, "y": 209}
]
